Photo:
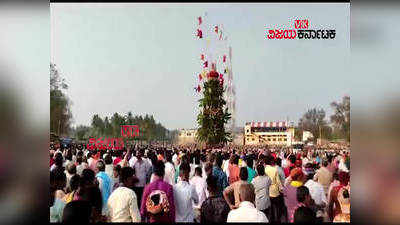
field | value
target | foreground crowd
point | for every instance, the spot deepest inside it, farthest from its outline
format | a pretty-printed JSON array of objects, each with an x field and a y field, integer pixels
[{"x": 155, "y": 184}]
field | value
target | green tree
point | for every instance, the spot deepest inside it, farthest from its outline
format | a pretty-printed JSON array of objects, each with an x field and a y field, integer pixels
[
  {"x": 60, "y": 112},
  {"x": 341, "y": 117},
  {"x": 213, "y": 117},
  {"x": 314, "y": 121}
]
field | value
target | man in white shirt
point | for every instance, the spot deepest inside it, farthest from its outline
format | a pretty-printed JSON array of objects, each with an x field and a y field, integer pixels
[
  {"x": 200, "y": 185},
  {"x": 184, "y": 196},
  {"x": 316, "y": 190},
  {"x": 122, "y": 203},
  {"x": 246, "y": 212},
  {"x": 169, "y": 176}
]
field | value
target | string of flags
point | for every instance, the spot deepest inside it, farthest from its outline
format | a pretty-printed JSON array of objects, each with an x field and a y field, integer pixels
[{"x": 206, "y": 72}]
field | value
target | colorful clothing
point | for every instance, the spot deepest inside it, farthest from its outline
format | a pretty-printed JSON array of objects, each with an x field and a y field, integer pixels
[
  {"x": 251, "y": 174},
  {"x": 222, "y": 181},
  {"x": 165, "y": 212}
]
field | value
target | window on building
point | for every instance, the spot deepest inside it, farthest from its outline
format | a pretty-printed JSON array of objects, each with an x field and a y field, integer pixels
[
  {"x": 274, "y": 139},
  {"x": 285, "y": 139},
  {"x": 252, "y": 139},
  {"x": 269, "y": 139}
]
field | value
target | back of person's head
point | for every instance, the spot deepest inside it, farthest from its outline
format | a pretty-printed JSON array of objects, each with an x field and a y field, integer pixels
[
  {"x": 302, "y": 193},
  {"x": 71, "y": 168},
  {"x": 198, "y": 171},
  {"x": 79, "y": 159},
  {"x": 74, "y": 182},
  {"x": 212, "y": 185},
  {"x": 304, "y": 215},
  {"x": 58, "y": 179},
  {"x": 87, "y": 177},
  {"x": 58, "y": 160},
  {"x": 77, "y": 212},
  {"x": 159, "y": 168},
  {"x": 292, "y": 159},
  {"x": 325, "y": 163},
  {"x": 108, "y": 159},
  {"x": 184, "y": 168},
  {"x": 208, "y": 168},
  {"x": 247, "y": 193},
  {"x": 68, "y": 156},
  {"x": 100, "y": 165},
  {"x": 93, "y": 196},
  {"x": 125, "y": 173},
  {"x": 243, "y": 174},
  {"x": 260, "y": 169},
  {"x": 249, "y": 162},
  {"x": 218, "y": 161},
  {"x": 278, "y": 161},
  {"x": 168, "y": 157},
  {"x": 268, "y": 159},
  {"x": 236, "y": 159}
]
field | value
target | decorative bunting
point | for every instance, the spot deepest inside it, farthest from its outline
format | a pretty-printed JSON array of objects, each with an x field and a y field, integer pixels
[
  {"x": 224, "y": 58},
  {"x": 199, "y": 18},
  {"x": 216, "y": 29},
  {"x": 199, "y": 33},
  {"x": 200, "y": 77}
]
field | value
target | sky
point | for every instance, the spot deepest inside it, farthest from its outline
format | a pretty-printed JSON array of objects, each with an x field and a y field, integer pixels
[{"x": 144, "y": 58}]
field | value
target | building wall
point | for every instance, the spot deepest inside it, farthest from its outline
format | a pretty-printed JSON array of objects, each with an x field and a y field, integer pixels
[
  {"x": 270, "y": 138},
  {"x": 187, "y": 136}
]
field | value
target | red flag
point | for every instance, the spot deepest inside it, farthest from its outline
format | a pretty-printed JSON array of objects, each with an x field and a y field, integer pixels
[
  {"x": 205, "y": 64},
  {"x": 216, "y": 29},
  {"x": 202, "y": 56},
  {"x": 200, "y": 77},
  {"x": 220, "y": 76},
  {"x": 199, "y": 33},
  {"x": 198, "y": 88},
  {"x": 199, "y": 18},
  {"x": 224, "y": 58}
]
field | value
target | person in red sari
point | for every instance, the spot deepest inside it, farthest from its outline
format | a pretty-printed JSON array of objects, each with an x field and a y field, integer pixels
[{"x": 334, "y": 205}]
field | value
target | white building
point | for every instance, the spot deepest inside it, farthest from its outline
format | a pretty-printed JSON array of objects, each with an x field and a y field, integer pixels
[
  {"x": 269, "y": 133},
  {"x": 187, "y": 136}
]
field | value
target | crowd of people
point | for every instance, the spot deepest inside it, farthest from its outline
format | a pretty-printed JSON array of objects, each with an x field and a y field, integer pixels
[{"x": 152, "y": 183}]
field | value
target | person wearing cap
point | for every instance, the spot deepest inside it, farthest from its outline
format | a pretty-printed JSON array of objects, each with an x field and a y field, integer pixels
[{"x": 290, "y": 190}]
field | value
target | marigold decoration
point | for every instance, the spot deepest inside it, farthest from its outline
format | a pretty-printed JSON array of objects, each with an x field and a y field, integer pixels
[
  {"x": 205, "y": 64},
  {"x": 213, "y": 74},
  {"x": 199, "y": 18}
]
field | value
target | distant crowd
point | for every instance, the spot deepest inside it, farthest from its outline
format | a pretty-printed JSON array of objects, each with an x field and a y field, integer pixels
[{"x": 153, "y": 183}]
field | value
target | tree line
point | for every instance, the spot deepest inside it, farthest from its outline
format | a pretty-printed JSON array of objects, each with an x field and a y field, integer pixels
[
  {"x": 338, "y": 126},
  {"x": 149, "y": 128}
]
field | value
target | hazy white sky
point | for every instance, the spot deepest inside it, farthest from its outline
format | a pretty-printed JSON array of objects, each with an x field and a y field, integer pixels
[{"x": 144, "y": 58}]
